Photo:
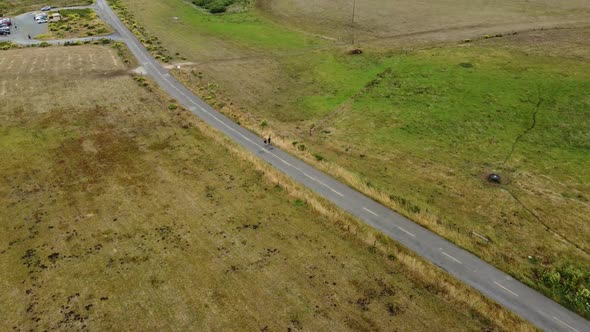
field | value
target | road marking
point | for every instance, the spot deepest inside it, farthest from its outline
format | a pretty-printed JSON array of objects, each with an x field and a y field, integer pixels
[
  {"x": 451, "y": 257},
  {"x": 371, "y": 212},
  {"x": 564, "y": 323},
  {"x": 506, "y": 289},
  {"x": 403, "y": 230}
]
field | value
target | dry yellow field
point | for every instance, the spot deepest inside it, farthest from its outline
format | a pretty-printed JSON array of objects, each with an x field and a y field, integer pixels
[
  {"x": 118, "y": 213},
  {"x": 423, "y": 20}
]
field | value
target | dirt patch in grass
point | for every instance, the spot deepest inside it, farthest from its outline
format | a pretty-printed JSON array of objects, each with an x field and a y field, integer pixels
[{"x": 115, "y": 205}]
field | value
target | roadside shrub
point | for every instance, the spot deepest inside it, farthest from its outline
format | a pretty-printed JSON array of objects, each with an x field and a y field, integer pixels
[
  {"x": 7, "y": 45},
  {"x": 569, "y": 282},
  {"x": 299, "y": 202},
  {"x": 318, "y": 157},
  {"x": 172, "y": 107}
]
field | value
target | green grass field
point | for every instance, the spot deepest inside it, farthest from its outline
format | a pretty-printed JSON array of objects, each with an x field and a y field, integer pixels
[{"x": 420, "y": 130}]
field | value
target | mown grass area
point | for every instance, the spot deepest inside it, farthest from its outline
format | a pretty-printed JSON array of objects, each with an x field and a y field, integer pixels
[
  {"x": 420, "y": 131},
  {"x": 119, "y": 209},
  {"x": 76, "y": 23},
  {"x": 14, "y": 7}
]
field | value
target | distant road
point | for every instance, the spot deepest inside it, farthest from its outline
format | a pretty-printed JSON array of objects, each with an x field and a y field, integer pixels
[{"x": 497, "y": 285}]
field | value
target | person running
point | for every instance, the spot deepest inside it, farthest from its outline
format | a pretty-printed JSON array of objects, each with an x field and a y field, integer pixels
[
  {"x": 268, "y": 139},
  {"x": 265, "y": 141},
  {"x": 29, "y": 36}
]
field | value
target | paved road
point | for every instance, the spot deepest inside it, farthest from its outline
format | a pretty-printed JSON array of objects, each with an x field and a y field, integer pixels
[{"x": 495, "y": 284}]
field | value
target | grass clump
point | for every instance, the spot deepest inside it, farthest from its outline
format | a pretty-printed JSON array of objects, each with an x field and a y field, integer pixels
[
  {"x": 216, "y": 6},
  {"x": 568, "y": 282}
]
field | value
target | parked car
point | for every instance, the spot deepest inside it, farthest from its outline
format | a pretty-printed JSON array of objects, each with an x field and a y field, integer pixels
[
  {"x": 42, "y": 20},
  {"x": 46, "y": 8},
  {"x": 39, "y": 17},
  {"x": 5, "y": 22},
  {"x": 4, "y": 31}
]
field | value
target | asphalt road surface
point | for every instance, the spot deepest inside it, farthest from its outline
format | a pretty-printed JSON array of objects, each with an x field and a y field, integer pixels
[{"x": 497, "y": 285}]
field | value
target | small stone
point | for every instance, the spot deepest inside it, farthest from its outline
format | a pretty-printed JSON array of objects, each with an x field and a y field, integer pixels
[{"x": 494, "y": 178}]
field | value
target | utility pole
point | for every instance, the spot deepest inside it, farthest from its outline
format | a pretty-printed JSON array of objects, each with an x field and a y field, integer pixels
[
  {"x": 353, "y": 12},
  {"x": 352, "y": 20}
]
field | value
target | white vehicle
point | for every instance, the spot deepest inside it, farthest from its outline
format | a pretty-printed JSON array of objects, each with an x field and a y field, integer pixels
[{"x": 41, "y": 18}]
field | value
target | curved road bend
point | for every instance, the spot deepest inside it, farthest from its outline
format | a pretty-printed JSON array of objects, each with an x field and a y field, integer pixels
[{"x": 497, "y": 285}]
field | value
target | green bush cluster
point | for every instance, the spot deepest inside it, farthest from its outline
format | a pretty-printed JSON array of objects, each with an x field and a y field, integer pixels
[
  {"x": 75, "y": 14},
  {"x": 214, "y": 6},
  {"x": 6, "y": 45},
  {"x": 569, "y": 282}
]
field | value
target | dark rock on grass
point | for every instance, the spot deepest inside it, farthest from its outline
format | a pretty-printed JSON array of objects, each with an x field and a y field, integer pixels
[{"x": 494, "y": 178}]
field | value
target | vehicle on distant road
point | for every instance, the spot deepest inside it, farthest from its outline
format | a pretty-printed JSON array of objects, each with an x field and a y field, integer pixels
[
  {"x": 46, "y": 8},
  {"x": 4, "y": 31},
  {"x": 5, "y": 22}
]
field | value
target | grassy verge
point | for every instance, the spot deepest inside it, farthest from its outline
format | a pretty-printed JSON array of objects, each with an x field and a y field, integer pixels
[
  {"x": 76, "y": 23},
  {"x": 122, "y": 211}
]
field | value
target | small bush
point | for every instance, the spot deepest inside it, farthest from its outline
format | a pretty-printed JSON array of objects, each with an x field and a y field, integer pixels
[
  {"x": 172, "y": 107},
  {"x": 570, "y": 283},
  {"x": 299, "y": 202},
  {"x": 215, "y": 6}
]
